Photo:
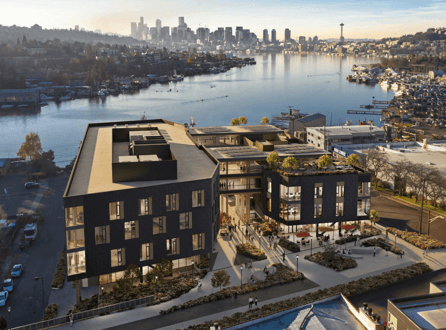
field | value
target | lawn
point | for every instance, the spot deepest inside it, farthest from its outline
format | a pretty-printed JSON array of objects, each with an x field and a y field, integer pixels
[{"x": 427, "y": 206}]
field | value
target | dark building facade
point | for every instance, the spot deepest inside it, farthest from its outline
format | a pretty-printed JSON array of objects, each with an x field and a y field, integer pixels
[{"x": 113, "y": 219}]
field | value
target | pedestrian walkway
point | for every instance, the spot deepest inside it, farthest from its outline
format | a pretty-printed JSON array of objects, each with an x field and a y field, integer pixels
[{"x": 320, "y": 275}]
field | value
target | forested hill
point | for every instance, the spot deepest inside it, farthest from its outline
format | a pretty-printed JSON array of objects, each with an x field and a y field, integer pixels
[{"x": 10, "y": 34}]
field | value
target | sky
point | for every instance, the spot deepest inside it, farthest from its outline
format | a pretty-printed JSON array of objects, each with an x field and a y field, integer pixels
[{"x": 362, "y": 18}]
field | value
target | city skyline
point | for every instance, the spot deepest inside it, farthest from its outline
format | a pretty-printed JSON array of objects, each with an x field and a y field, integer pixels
[{"x": 362, "y": 19}]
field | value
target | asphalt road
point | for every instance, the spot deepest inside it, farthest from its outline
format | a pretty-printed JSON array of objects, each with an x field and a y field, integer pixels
[
  {"x": 377, "y": 299},
  {"x": 394, "y": 214},
  {"x": 39, "y": 259}
]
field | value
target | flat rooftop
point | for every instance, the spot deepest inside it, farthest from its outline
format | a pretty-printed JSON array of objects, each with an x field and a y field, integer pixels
[
  {"x": 283, "y": 150},
  {"x": 427, "y": 312},
  {"x": 93, "y": 171},
  {"x": 223, "y": 130},
  {"x": 347, "y": 130},
  {"x": 434, "y": 155}
]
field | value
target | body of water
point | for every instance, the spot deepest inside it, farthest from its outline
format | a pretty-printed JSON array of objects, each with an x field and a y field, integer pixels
[{"x": 314, "y": 83}]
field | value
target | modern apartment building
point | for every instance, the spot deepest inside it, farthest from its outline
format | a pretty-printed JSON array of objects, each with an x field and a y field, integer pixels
[{"x": 138, "y": 192}]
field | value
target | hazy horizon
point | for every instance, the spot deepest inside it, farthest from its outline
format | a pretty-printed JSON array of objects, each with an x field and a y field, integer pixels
[{"x": 362, "y": 19}]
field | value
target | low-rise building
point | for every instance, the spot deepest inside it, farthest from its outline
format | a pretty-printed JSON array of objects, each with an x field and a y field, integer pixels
[
  {"x": 325, "y": 137},
  {"x": 17, "y": 97}
]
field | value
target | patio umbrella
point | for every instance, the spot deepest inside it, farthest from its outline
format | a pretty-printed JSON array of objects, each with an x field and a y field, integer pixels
[
  {"x": 303, "y": 234},
  {"x": 347, "y": 227}
]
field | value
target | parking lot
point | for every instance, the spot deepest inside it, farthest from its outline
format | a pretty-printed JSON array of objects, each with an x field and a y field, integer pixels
[{"x": 40, "y": 258}]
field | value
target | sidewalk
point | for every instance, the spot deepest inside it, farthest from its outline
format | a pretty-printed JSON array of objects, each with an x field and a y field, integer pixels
[{"x": 319, "y": 275}]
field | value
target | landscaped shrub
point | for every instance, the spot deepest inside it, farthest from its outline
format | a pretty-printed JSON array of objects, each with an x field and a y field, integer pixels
[
  {"x": 165, "y": 289},
  {"x": 269, "y": 228},
  {"x": 381, "y": 242},
  {"x": 282, "y": 275},
  {"x": 348, "y": 289},
  {"x": 367, "y": 232},
  {"x": 289, "y": 245},
  {"x": 420, "y": 241},
  {"x": 51, "y": 311},
  {"x": 204, "y": 262},
  {"x": 61, "y": 271},
  {"x": 249, "y": 250},
  {"x": 337, "y": 262}
]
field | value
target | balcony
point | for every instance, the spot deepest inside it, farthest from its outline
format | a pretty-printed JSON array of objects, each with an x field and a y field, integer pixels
[{"x": 240, "y": 184}]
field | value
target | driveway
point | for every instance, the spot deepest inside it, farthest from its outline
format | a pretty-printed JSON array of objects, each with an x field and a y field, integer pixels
[
  {"x": 401, "y": 216},
  {"x": 39, "y": 259}
]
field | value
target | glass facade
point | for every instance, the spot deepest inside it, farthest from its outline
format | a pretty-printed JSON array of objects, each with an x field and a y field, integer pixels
[
  {"x": 318, "y": 190},
  {"x": 117, "y": 257},
  {"x": 340, "y": 209},
  {"x": 131, "y": 229},
  {"x": 290, "y": 193},
  {"x": 339, "y": 189},
  {"x": 364, "y": 189},
  {"x": 159, "y": 225},
  {"x": 74, "y": 216},
  {"x": 198, "y": 242},
  {"x": 145, "y": 206},
  {"x": 102, "y": 234},
  {"x": 185, "y": 220},
  {"x": 173, "y": 246},
  {"x": 364, "y": 207},
  {"x": 117, "y": 210},
  {"x": 290, "y": 212},
  {"x": 76, "y": 263},
  {"x": 75, "y": 239}
]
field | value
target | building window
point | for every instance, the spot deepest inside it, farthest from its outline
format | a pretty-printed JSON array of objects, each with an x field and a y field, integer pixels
[
  {"x": 270, "y": 185},
  {"x": 185, "y": 220},
  {"x": 339, "y": 189},
  {"x": 198, "y": 241},
  {"x": 102, "y": 235},
  {"x": 363, "y": 189},
  {"x": 268, "y": 204},
  {"x": 364, "y": 207},
  {"x": 131, "y": 229},
  {"x": 172, "y": 202},
  {"x": 117, "y": 257},
  {"x": 74, "y": 216},
  {"x": 197, "y": 198},
  {"x": 317, "y": 210},
  {"x": 318, "y": 190},
  {"x": 111, "y": 278},
  {"x": 145, "y": 206},
  {"x": 76, "y": 262},
  {"x": 146, "y": 252},
  {"x": 75, "y": 239},
  {"x": 339, "y": 209},
  {"x": 173, "y": 246},
  {"x": 116, "y": 210},
  {"x": 159, "y": 225}
]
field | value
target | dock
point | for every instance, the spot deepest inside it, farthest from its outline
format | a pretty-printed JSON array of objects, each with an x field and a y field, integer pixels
[{"x": 365, "y": 112}]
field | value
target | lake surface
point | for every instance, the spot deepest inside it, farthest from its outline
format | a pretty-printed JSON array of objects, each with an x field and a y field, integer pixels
[{"x": 314, "y": 83}]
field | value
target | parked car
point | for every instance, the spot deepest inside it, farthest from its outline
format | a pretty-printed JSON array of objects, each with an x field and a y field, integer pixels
[
  {"x": 3, "y": 298},
  {"x": 8, "y": 285},
  {"x": 16, "y": 270},
  {"x": 30, "y": 185}
]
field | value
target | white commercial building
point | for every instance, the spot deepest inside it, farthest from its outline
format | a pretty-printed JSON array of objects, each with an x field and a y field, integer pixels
[{"x": 325, "y": 137}]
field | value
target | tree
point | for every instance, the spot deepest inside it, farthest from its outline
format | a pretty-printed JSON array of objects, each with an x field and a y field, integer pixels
[
  {"x": 3, "y": 323},
  {"x": 132, "y": 271},
  {"x": 324, "y": 161},
  {"x": 264, "y": 121},
  {"x": 399, "y": 172},
  {"x": 273, "y": 159},
  {"x": 243, "y": 120},
  {"x": 420, "y": 179},
  {"x": 330, "y": 252},
  {"x": 225, "y": 219},
  {"x": 163, "y": 267},
  {"x": 374, "y": 217},
  {"x": 220, "y": 278},
  {"x": 437, "y": 191},
  {"x": 31, "y": 148},
  {"x": 290, "y": 163},
  {"x": 235, "y": 122},
  {"x": 46, "y": 163},
  {"x": 353, "y": 160},
  {"x": 375, "y": 163}
]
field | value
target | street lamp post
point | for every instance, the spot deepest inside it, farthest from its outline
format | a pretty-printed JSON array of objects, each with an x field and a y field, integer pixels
[
  {"x": 102, "y": 292},
  {"x": 241, "y": 277},
  {"x": 395, "y": 240},
  {"x": 192, "y": 269},
  {"x": 156, "y": 286},
  {"x": 259, "y": 245},
  {"x": 43, "y": 295},
  {"x": 311, "y": 245},
  {"x": 9, "y": 314},
  {"x": 297, "y": 264}
]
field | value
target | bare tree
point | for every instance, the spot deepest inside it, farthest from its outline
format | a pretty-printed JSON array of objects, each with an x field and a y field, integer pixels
[
  {"x": 421, "y": 177},
  {"x": 437, "y": 189},
  {"x": 376, "y": 163},
  {"x": 400, "y": 171}
]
